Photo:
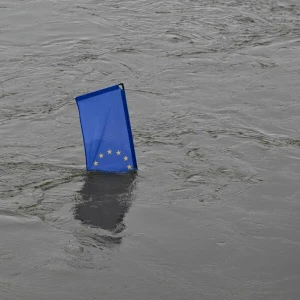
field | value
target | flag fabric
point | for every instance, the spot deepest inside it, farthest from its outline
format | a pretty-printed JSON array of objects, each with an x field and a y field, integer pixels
[{"x": 106, "y": 130}]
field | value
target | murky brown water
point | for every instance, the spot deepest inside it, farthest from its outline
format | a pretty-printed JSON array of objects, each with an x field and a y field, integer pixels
[{"x": 213, "y": 93}]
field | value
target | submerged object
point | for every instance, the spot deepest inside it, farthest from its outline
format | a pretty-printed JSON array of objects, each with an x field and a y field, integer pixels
[{"x": 106, "y": 130}]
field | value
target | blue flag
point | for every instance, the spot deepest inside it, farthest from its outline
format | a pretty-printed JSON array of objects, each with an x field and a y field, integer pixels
[{"x": 106, "y": 130}]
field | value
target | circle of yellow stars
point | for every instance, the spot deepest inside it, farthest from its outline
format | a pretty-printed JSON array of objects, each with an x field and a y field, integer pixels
[{"x": 109, "y": 152}]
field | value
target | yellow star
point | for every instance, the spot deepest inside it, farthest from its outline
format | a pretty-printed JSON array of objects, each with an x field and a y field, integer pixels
[
  {"x": 109, "y": 151},
  {"x": 129, "y": 167},
  {"x": 125, "y": 158},
  {"x": 101, "y": 155},
  {"x": 118, "y": 152},
  {"x": 95, "y": 163}
]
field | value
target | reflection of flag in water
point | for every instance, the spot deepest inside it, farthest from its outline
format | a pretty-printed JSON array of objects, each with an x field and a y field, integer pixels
[
  {"x": 105, "y": 199},
  {"x": 106, "y": 130}
]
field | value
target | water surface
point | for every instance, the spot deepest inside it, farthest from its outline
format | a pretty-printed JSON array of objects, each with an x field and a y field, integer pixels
[{"x": 213, "y": 93}]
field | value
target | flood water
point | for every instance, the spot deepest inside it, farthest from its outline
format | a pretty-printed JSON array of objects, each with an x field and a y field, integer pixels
[{"x": 213, "y": 95}]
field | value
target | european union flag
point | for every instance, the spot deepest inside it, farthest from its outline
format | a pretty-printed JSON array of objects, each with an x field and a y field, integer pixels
[{"x": 106, "y": 130}]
